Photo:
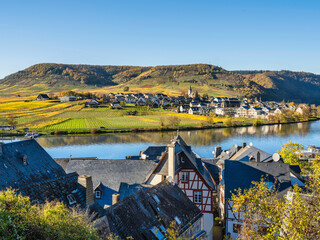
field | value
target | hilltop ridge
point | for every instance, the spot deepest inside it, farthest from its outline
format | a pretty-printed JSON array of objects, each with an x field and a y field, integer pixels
[{"x": 174, "y": 79}]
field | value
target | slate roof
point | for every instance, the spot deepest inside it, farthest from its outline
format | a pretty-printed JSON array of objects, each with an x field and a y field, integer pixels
[
  {"x": 126, "y": 189},
  {"x": 40, "y": 164},
  {"x": 112, "y": 172},
  {"x": 229, "y": 153},
  {"x": 42, "y": 179},
  {"x": 211, "y": 166},
  {"x": 153, "y": 152},
  {"x": 158, "y": 206},
  {"x": 239, "y": 174},
  {"x": 194, "y": 161},
  {"x": 244, "y": 154}
]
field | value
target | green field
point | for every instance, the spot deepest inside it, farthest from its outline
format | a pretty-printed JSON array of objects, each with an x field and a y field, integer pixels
[{"x": 53, "y": 115}]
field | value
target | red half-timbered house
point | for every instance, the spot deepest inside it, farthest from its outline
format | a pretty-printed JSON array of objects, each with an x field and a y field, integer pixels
[{"x": 183, "y": 167}]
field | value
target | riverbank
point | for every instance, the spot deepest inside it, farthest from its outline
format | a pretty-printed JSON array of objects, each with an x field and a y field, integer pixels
[{"x": 94, "y": 131}]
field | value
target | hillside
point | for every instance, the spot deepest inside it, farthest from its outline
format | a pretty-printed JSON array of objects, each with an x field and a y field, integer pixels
[
  {"x": 171, "y": 79},
  {"x": 297, "y": 86}
]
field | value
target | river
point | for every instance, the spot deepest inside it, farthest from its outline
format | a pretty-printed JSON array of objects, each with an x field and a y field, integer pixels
[{"x": 116, "y": 146}]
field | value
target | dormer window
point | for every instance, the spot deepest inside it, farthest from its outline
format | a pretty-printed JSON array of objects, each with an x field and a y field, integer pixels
[
  {"x": 71, "y": 199},
  {"x": 25, "y": 160},
  {"x": 98, "y": 194}
]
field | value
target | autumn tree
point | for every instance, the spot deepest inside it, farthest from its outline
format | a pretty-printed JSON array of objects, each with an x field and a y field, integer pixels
[
  {"x": 269, "y": 215},
  {"x": 174, "y": 121},
  {"x": 12, "y": 121},
  {"x": 290, "y": 152},
  {"x": 306, "y": 113}
]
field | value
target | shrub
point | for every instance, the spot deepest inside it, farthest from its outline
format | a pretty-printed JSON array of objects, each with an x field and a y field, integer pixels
[
  {"x": 94, "y": 131},
  {"x": 257, "y": 122},
  {"x": 19, "y": 219},
  {"x": 228, "y": 122},
  {"x": 58, "y": 132}
]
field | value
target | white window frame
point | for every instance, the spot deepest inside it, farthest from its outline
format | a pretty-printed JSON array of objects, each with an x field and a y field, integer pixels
[
  {"x": 184, "y": 177},
  {"x": 71, "y": 199},
  {"x": 197, "y": 197}
]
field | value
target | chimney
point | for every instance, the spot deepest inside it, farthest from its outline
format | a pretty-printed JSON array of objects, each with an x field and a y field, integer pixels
[
  {"x": 86, "y": 181},
  {"x": 258, "y": 156},
  {"x": 25, "y": 160},
  {"x": 171, "y": 162},
  {"x": 244, "y": 144},
  {"x": 217, "y": 151},
  {"x": 115, "y": 198}
]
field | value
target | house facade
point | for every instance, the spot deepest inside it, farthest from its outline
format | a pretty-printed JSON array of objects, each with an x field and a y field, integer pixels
[
  {"x": 241, "y": 174},
  {"x": 180, "y": 165}
]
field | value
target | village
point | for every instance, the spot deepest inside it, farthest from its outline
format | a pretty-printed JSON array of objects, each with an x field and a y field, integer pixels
[
  {"x": 193, "y": 104},
  {"x": 142, "y": 195}
]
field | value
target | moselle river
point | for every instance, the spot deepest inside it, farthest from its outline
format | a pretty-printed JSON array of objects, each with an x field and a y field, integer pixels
[{"x": 116, "y": 146}]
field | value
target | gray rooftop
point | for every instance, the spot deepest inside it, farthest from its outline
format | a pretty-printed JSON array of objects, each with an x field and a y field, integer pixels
[
  {"x": 112, "y": 172},
  {"x": 246, "y": 153},
  {"x": 158, "y": 206},
  {"x": 40, "y": 166},
  {"x": 240, "y": 174}
]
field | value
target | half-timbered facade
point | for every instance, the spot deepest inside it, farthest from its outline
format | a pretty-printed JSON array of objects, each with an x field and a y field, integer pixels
[
  {"x": 180, "y": 165},
  {"x": 196, "y": 189}
]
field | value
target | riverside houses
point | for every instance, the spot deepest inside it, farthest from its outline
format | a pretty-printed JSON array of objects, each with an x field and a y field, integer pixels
[{"x": 179, "y": 164}]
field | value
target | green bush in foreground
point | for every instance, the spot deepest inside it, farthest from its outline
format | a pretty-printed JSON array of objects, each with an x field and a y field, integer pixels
[{"x": 19, "y": 219}]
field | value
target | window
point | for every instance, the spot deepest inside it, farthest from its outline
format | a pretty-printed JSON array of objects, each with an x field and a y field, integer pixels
[
  {"x": 197, "y": 197},
  {"x": 236, "y": 228},
  {"x": 184, "y": 177},
  {"x": 71, "y": 199},
  {"x": 98, "y": 194}
]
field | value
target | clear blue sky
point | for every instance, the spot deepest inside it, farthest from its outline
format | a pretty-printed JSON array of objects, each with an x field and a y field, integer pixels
[{"x": 233, "y": 34}]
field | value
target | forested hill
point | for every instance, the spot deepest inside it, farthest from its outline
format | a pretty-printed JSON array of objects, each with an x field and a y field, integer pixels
[
  {"x": 173, "y": 79},
  {"x": 68, "y": 74},
  {"x": 299, "y": 86}
]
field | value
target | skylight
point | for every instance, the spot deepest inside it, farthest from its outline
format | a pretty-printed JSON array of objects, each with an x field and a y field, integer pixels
[
  {"x": 157, "y": 233},
  {"x": 177, "y": 220},
  {"x": 156, "y": 198}
]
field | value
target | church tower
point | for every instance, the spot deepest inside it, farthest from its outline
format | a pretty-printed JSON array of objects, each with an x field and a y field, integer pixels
[{"x": 190, "y": 91}]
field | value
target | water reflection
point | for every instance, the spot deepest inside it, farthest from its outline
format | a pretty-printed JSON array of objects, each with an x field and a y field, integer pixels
[{"x": 268, "y": 137}]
